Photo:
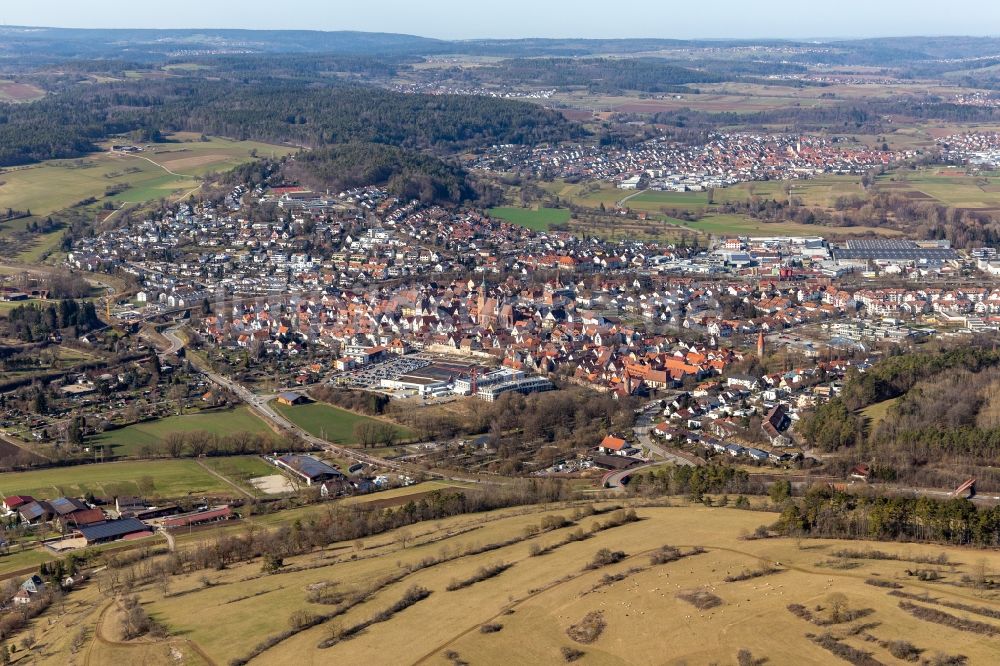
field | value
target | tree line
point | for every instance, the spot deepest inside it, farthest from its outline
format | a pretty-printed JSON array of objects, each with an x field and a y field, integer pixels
[
  {"x": 824, "y": 512},
  {"x": 34, "y": 322}
]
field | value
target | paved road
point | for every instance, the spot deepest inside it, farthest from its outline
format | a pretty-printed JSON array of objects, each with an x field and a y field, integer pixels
[
  {"x": 261, "y": 405},
  {"x": 644, "y": 425}
]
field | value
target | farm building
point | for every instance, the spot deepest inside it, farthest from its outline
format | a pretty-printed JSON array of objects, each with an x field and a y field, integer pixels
[
  {"x": 614, "y": 462},
  {"x": 36, "y": 512},
  {"x": 157, "y": 512},
  {"x": 308, "y": 469},
  {"x": 113, "y": 530},
  {"x": 14, "y": 502},
  {"x": 292, "y": 398},
  {"x": 64, "y": 506},
  {"x": 130, "y": 506},
  {"x": 199, "y": 517},
  {"x": 78, "y": 519}
]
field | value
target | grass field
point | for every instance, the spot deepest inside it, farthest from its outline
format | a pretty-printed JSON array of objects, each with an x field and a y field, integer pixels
[
  {"x": 163, "y": 170},
  {"x": 537, "y": 599},
  {"x": 875, "y": 414},
  {"x": 822, "y": 191},
  {"x": 947, "y": 185},
  {"x": 539, "y": 220},
  {"x": 127, "y": 441},
  {"x": 153, "y": 478},
  {"x": 329, "y": 422},
  {"x": 52, "y": 186},
  {"x": 725, "y": 225}
]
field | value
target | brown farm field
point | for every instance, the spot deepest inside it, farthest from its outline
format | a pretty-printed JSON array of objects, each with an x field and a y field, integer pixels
[
  {"x": 12, "y": 91},
  {"x": 638, "y": 610}
]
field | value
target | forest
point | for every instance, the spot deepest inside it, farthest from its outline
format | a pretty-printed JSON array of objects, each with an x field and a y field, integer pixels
[
  {"x": 828, "y": 513},
  {"x": 945, "y": 421},
  {"x": 871, "y": 116},
  {"x": 280, "y": 111},
  {"x": 31, "y": 323},
  {"x": 407, "y": 174}
]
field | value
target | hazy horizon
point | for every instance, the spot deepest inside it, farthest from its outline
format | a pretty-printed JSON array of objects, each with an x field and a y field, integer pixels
[{"x": 584, "y": 19}]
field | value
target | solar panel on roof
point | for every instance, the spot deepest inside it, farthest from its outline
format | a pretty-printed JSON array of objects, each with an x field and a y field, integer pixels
[{"x": 112, "y": 529}]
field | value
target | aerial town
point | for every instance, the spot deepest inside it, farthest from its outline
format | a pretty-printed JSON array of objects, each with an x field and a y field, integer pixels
[{"x": 324, "y": 345}]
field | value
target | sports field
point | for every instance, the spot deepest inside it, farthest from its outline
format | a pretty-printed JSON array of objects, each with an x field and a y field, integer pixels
[
  {"x": 329, "y": 422},
  {"x": 539, "y": 220},
  {"x": 153, "y": 478},
  {"x": 127, "y": 441}
]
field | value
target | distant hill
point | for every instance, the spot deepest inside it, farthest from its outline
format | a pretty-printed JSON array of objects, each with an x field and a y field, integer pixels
[
  {"x": 48, "y": 44},
  {"x": 155, "y": 44}
]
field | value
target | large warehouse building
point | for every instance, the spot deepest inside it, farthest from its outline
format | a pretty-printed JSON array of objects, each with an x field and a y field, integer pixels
[{"x": 891, "y": 250}]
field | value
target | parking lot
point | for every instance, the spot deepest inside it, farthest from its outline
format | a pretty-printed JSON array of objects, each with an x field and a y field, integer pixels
[{"x": 371, "y": 376}]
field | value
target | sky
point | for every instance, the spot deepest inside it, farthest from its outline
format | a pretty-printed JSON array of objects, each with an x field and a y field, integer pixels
[{"x": 467, "y": 19}]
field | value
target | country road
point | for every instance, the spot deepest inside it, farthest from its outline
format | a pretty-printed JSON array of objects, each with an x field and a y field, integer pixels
[{"x": 260, "y": 405}]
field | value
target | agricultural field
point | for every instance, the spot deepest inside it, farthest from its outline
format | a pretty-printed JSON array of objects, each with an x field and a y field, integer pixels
[
  {"x": 152, "y": 478},
  {"x": 52, "y": 186},
  {"x": 162, "y": 171},
  {"x": 819, "y": 192},
  {"x": 727, "y": 225},
  {"x": 945, "y": 185},
  {"x": 127, "y": 441},
  {"x": 12, "y": 91},
  {"x": 331, "y": 423},
  {"x": 643, "y": 604},
  {"x": 540, "y": 219}
]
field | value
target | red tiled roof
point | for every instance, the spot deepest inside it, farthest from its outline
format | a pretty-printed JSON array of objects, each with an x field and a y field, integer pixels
[{"x": 613, "y": 443}]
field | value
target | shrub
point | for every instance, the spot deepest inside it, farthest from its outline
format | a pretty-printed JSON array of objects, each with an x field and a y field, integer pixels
[
  {"x": 588, "y": 629},
  {"x": 942, "y": 659},
  {"x": 490, "y": 628},
  {"x": 844, "y": 651},
  {"x": 571, "y": 654},
  {"x": 700, "y": 599},
  {"x": 949, "y": 620},
  {"x": 299, "y": 619},
  {"x": 605, "y": 557},
  {"x": 765, "y": 569},
  {"x": 883, "y": 583},
  {"x": 483, "y": 573},
  {"x": 664, "y": 555},
  {"x": 904, "y": 650}
]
